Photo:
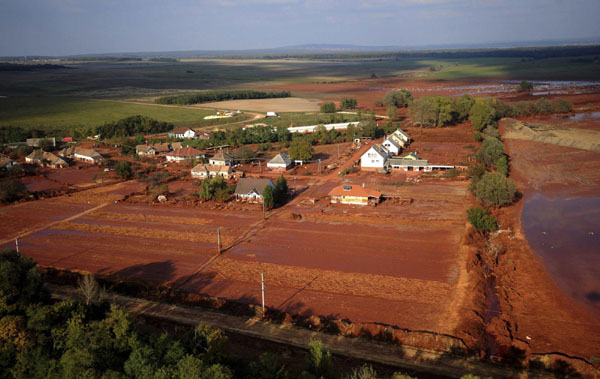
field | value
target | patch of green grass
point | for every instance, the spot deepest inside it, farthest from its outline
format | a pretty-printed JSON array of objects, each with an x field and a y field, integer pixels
[{"x": 68, "y": 112}]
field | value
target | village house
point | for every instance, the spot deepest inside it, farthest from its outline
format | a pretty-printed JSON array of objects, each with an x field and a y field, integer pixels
[
  {"x": 202, "y": 171},
  {"x": 391, "y": 146},
  {"x": 87, "y": 155},
  {"x": 161, "y": 148},
  {"x": 354, "y": 194},
  {"x": 7, "y": 163},
  {"x": 67, "y": 152},
  {"x": 400, "y": 137},
  {"x": 176, "y": 145},
  {"x": 145, "y": 150},
  {"x": 280, "y": 162},
  {"x": 47, "y": 159},
  {"x": 412, "y": 162},
  {"x": 182, "y": 133},
  {"x": 223, "y": 158},
  {"x": 251, "y": 189},
  {"x": 183, "y": 154},
  {"x": 374, "y": 158}
]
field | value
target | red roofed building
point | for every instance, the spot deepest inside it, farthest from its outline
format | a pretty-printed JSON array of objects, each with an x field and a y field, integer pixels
[
  {"x": 353, "y": 194},
  {"x": 184, "y": 153}
]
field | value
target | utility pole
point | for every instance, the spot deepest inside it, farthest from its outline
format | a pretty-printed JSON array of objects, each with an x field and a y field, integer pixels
[
  {"x": 218, "y": 240},
  {"x": 338, "y": 146},
  {"x": 17, "y": 244},
  {"x": 262, "y": 284},
  {"x": 319, "y": 169},
  {"x": 264, "y": 213},
  {"x": 260, "y": 166}
]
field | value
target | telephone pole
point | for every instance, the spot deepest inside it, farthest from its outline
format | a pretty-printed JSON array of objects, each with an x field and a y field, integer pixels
[
  {"x": 262, "y": 284},
  {"x": 17, "y": 244},
  {"x": 218, "y": 240}
]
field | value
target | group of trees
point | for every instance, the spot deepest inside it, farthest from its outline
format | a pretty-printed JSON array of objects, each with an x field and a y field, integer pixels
[
  {"x": 211, "y": 96},
  {"x": 43, "y": 338},
  {"x": 276, "y": 196},
  {"x": 346, "y": 103},
  {"x": 11, "y": 189},
  {"x": 439, "y": 111},
  {"x": 131, "y": 126},
  {"x": 214, "y": 188}
]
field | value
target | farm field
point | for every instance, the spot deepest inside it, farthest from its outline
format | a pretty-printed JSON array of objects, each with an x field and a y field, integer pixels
[
  {"x": 71, "y": 112},
  {"x": 287, "y": 104}
]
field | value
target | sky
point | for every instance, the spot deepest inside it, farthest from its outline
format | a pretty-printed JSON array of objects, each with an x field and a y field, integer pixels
[{"x": 64, "y": 27}]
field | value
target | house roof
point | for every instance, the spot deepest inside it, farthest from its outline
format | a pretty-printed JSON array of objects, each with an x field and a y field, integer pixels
[
  {"x": 247, "y": 185},
  {"x": 88, "y": 153},
  {"x": 411, "y": 156},
  {"x": 181, "y": 130},
  {"x": 185, "y": 152},
  {"x": 161, "y": 147},
  {"x": 222, "y": 156},
  {"x": 354, "y": 190},
  {"x": 176, "y": 145},
  {"x": 211, "y": 168},
  {"x": 281, "y": 158},
  {"x": 402, "y": 134},
  {"x": 145, "y": 148},
  {"x": 39, "y": 155},
  {"x": 408, "y": 162},
  {"x": 391, "y": 141},
  {"x": 379, "y": 150}
]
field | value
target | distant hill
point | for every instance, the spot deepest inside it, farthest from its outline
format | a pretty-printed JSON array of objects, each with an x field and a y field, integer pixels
[{"x": 330, "y": 51}]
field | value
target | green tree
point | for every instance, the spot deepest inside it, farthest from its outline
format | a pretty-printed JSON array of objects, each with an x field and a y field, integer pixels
[
  {"x": 268, "y": 366},
  {"x": 46, "y": 145},
  {"x": 561, "y": 106},
  {"x": 301, "y": 149},
  {"x": 544, "y": 106},
  {"x": 363, "y": 372},
  {"x": 502, "y": 165},
  {"x": 462, "y": 106},
  {"x": 213, "y": 188},
  {"x": 328, "y": 107},
  {"x": 401, "y": 98},
  {"x": 243, "y": 154},
  {"x": 422, "y": 111},
  {"x": 210, "y": 342},
  {"x": 481, "y": 219},
  {"x": 392, "y": 112},
  {"x": 482, "y": 115},
  {"x": 525, "y": 86},
  {"x": 495, "y": 189},
  {"x": 282, "y": 190},
  {"x": 491, "y": 150},
  {"x": 21, "y": 282},
  {"x": 319, "y": 362},
  {"x": 348, "y": 103},
  {"x": 11, "y": 189},
  {"x": 269, "y": 196},
  {"x": 477, "y": 137},
  {"x": 123, "y": 169}
]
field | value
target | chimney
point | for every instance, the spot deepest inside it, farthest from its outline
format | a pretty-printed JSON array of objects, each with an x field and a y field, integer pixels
[{"x": 364, "y": 185}]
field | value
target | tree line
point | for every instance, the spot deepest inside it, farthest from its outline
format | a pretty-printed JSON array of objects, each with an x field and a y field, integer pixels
[
  {"x": 131, "y": 126},
  {"x": 212, "y": 96},
  {"x": 90, "y": 338}
]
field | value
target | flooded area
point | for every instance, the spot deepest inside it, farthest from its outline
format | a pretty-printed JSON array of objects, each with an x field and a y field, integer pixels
[
  {"x": 565, "y": 233},
  {"x": 578, "y": 116}
]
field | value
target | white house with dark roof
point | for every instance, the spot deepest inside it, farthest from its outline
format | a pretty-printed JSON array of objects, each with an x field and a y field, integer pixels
[
  {"x": 280, "y": 162},
  {"x": 393, "y": 147},
  {"x": 87, "y": 155},
  {"x": 374, "y": 158},
  {"x": 223, "y": 158},
  {"x": 251, "y": 189},
  {"x": 182, "y": 133},
  {"x": 202, "y": 171}
]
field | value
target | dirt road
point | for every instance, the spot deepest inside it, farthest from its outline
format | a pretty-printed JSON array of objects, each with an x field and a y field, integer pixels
[{"x": 398, "y": 356}]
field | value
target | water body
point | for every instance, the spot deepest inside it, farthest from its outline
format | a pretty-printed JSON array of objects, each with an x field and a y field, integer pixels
[
  {"x": 579, "y": 116},
  {"x": 565, "y": 233}
]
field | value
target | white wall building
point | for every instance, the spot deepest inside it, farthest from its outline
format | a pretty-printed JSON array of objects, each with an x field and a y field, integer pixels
[{"x": 374, "y": 158}]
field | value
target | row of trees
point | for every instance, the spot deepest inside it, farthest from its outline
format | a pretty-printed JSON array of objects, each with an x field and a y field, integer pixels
[
  {"x": 211, "y": 96},
  {"x": 42, "y": 338},
  {"x": 439, "y": 111},
  {"x": 346, "y": 103},
  {"x": 131, "y": 126}
]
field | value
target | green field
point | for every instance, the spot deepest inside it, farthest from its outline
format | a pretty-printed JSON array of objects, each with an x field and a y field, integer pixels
[{"x": 68, "y": 112}]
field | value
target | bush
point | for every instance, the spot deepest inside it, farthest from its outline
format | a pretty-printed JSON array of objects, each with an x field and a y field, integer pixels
[
  {"x": 495, "y": 189},
  {"x": 348, "y": 103},
  {"x": 490, "y": 131},
  {"x": 397, "y": 99},
  {"x": 491, "y": 150},
  {"x": 561, "y": 106},
  {"x": 328, "y": 107},
  {"x": 11, "y": 190},
  {"x": 502, "y": 165},
  {"x": 525, "y": 86},
  {"x": 478, "y": 137},
  {"x": 544, "y": 106},
  {"x": 482, "y": 115},
  {"x": 213, "y": 189},
  {"x": 123, "y": 169},
  {"x": 481, "y": 219},
  {"x": 392, "y": 112}
]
